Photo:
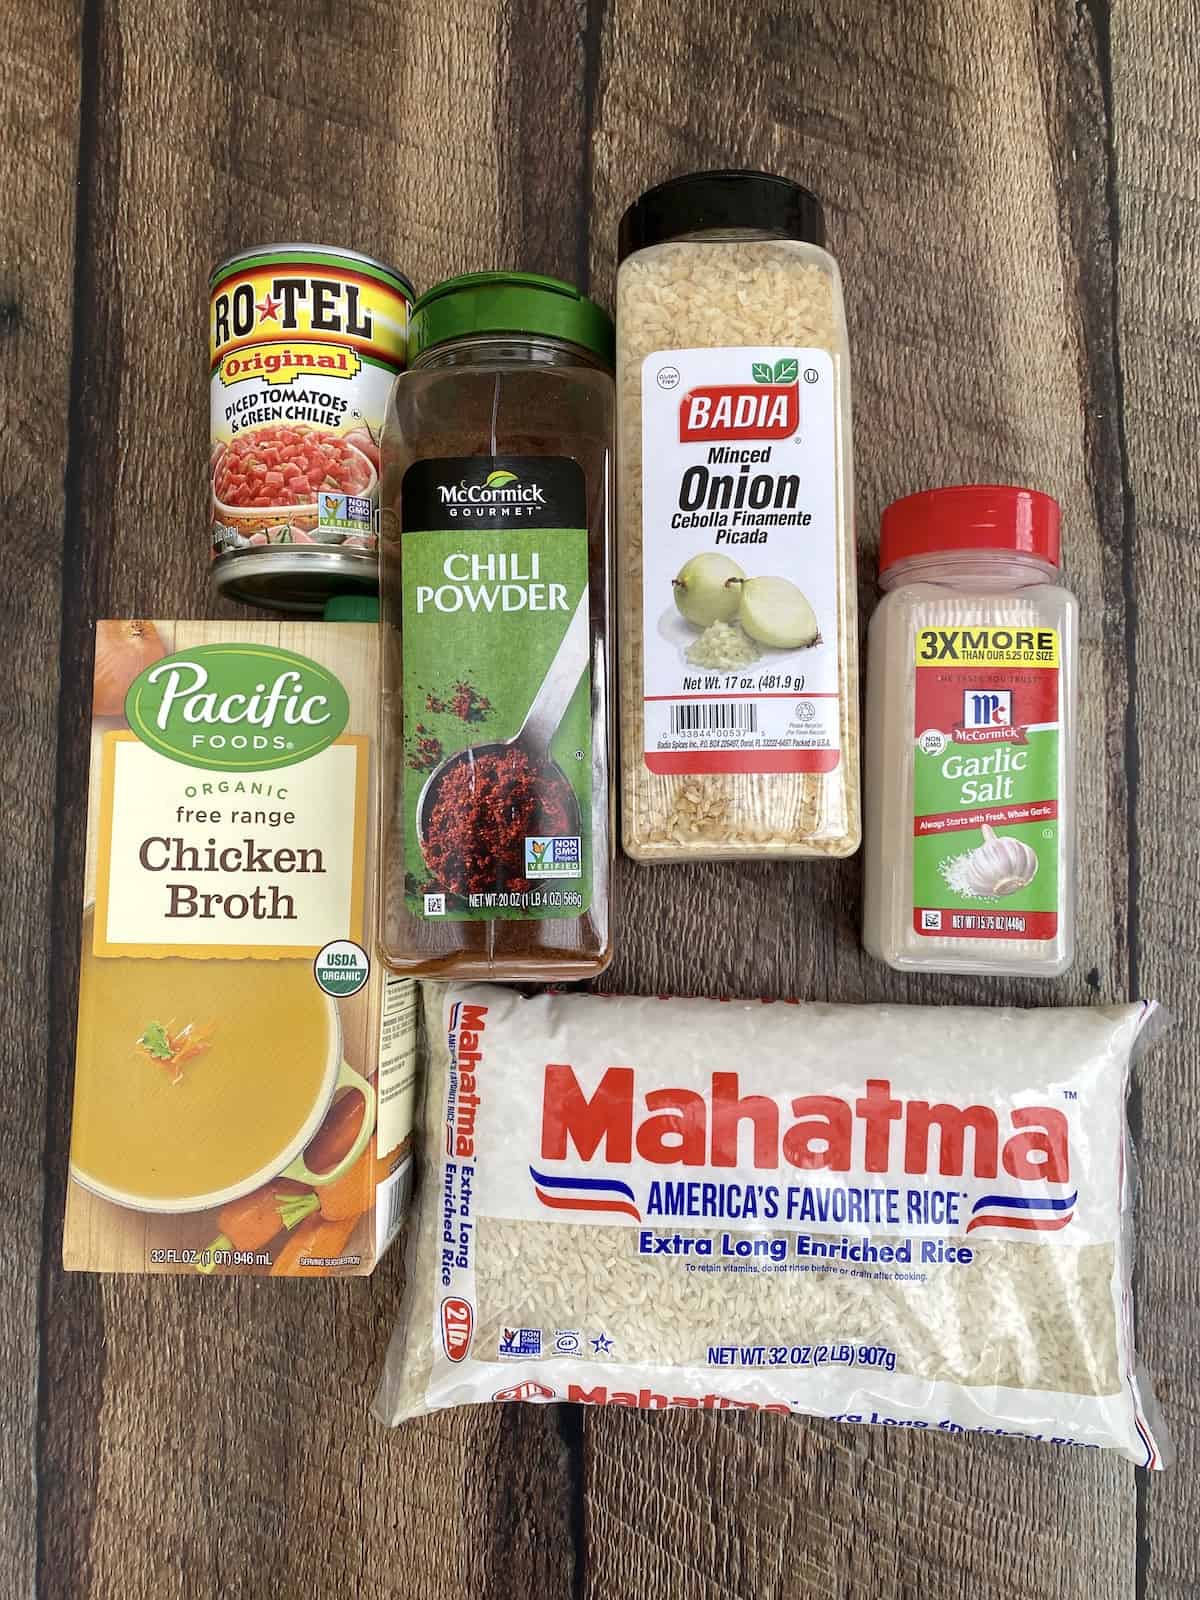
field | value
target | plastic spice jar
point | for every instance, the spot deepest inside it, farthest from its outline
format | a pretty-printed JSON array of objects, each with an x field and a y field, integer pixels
[
  {"x": 970, "y": 758},
  {"x": 497, "y": 462},
  {"x": 739, "y": 694}
]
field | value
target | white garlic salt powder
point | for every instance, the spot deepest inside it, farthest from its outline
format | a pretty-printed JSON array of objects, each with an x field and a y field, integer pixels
[
  {"x": 736, "y": 495},
  {"x": 970, "y": 736}
]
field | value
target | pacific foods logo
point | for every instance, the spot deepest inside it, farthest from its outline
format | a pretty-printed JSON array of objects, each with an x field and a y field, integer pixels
[
  {"x": 498, "y": 488},
  {"x": 237, "y": 707}
]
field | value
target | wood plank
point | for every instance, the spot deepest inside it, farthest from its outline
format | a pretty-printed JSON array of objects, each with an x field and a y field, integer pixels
[
  {"x": 214, "y": 1438},
  {"x": 1156, "y": 90},
  {"x": 961, "y": 155},
  {"x": 39, "y": 132}
]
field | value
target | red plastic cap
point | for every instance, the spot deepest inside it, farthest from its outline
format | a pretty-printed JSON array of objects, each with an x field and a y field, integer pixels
[{"x": 970, "y": 516}]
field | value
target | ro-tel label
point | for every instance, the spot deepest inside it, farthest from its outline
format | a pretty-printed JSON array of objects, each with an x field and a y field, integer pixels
[
  {"x": 739, "y": 459},
  {"x": 986, "y": 756},
  {"x": 495, "y": 572},
  {"x": 304, "y": 346}
]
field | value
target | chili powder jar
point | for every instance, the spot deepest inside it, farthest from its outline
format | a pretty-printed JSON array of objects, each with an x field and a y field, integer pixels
[{"x": 496, "y": 488}]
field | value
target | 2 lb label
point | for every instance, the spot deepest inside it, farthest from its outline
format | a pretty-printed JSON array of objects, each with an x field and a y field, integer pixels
[{"x": 986, "y": 783}]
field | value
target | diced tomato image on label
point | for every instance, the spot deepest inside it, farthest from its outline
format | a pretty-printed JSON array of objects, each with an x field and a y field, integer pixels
[
  {"x": 458, "y": 1324},
  {"x": 278, "y": 466},
  {"x": 529, "y": 1390}
]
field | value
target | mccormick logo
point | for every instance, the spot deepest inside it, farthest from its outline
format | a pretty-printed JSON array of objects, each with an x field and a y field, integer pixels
[
  {"x": 768, "y": 408},
  {"x": 499, "y": 488},
  {"x": 877, "y": 1132},
  {"x": 987, "y": 719},
  {"x": 237, "y": 707}
]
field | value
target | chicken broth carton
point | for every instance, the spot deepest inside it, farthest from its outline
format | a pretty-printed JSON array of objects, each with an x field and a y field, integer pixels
[{"x": 245, "y": 1068}]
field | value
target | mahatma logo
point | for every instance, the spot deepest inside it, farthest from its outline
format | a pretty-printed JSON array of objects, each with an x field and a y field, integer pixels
[
  {"x": 237, "y": 707},
  {"x": 560, "y": 1193},
  {"x": 875, "y": 1131},
  {"x": 988, "y": 708},
  {"x": 1021, "y": 1212},
  {"x": 767, "y": 408},
  {"x": 499, "y": 488}
]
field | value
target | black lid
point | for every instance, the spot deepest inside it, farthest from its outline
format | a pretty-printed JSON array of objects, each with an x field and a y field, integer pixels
[{"x": 702, "y": 200}]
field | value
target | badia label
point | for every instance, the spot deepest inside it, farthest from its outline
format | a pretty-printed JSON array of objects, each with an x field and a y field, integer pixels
[
  {"x": 986, "y": 783},
  {"x": 497, "y": 688},
  {"x": 740, "y": 558}
]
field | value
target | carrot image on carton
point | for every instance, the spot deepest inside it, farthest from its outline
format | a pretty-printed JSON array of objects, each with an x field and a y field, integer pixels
[{"x": 244, "y": 1067}]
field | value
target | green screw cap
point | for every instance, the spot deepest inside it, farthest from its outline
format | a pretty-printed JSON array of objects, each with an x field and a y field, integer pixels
[{"x": 510, "y": 302}]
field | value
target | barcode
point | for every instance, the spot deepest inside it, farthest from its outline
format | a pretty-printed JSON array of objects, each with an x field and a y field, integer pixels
[
  {"x": 391, "y": 1204},
  {"x": 719, "y": 716}
]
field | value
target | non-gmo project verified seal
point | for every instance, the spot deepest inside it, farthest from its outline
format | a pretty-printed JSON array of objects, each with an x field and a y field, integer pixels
[
  {"x": 555, "y": 857},
  {"x": 344, "y": 513},
  {"x": 516, "y": 1342}
]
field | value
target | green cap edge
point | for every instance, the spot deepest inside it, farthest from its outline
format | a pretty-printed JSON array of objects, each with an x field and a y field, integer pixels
[{"x": 520, "y": 303}]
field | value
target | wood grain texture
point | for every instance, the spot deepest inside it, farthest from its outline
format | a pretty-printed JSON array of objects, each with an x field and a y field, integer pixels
[
  {"x": 39, "y": 128},
  {"x": 200, "y": 1443},
  {"x": 1156, "y": 121},
  {"x": 199, "y": 1439},
  {"x": 962, "y": 154}
]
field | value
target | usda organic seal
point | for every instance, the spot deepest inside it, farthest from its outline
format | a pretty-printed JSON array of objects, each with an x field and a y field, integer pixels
[{"x": 342, "y": 968}]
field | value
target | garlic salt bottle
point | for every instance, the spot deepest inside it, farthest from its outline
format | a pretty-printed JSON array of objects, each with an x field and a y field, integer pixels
[{"x": 970, "y": 738}]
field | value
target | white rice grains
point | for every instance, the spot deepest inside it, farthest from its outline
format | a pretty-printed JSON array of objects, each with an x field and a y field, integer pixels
[{"x": 918, "y": 1217}]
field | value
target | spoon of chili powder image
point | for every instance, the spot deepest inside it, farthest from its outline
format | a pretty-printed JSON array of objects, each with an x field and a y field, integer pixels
[{"x": 479, "y": 805}]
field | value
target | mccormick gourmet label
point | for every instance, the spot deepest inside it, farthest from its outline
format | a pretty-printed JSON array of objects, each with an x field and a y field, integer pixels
[
  {"x": 497, "y": 688},
  {"x": 986, "y": 782},
  {"x": 304, "y": 343},
  {"x": 740, "y": 561}
]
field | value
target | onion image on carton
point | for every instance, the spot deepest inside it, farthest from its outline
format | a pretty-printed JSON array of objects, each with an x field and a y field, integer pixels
[{"x": 244, "y": 1067}]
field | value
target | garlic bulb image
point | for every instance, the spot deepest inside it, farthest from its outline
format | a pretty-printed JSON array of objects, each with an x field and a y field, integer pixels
[{"x": 997, "y": 867}]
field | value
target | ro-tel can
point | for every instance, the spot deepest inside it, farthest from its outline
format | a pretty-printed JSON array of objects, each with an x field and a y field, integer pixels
[{"x": 304, "y": 342}]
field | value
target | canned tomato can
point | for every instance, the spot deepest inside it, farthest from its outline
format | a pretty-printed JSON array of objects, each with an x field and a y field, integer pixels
[{"x": 304, "y": 343}]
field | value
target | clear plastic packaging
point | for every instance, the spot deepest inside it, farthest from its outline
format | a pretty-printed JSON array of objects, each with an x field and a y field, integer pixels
[
  {"x": 919, "y": 1217},
  {"x": 737, "y": 580},
  {"x": 497, "y": 470},
  {"x": 969, "y": 834}
]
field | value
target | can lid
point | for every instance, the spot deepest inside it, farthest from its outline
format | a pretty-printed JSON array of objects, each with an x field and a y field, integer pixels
[
  {"x": 305, "y": 254},
  {"x": 509, "y": 302},
  {"x": 700, "y": 201},
  {"x": 351, "y": 608},
  {"x": 971, "y": 516}
]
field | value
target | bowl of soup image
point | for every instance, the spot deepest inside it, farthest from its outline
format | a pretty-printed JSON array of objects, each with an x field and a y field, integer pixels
[{"x": 169, "y": 1134}]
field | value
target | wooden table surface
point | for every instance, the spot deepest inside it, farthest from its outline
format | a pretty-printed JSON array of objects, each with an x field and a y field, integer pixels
[{"x": 1013, "y": 191}]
